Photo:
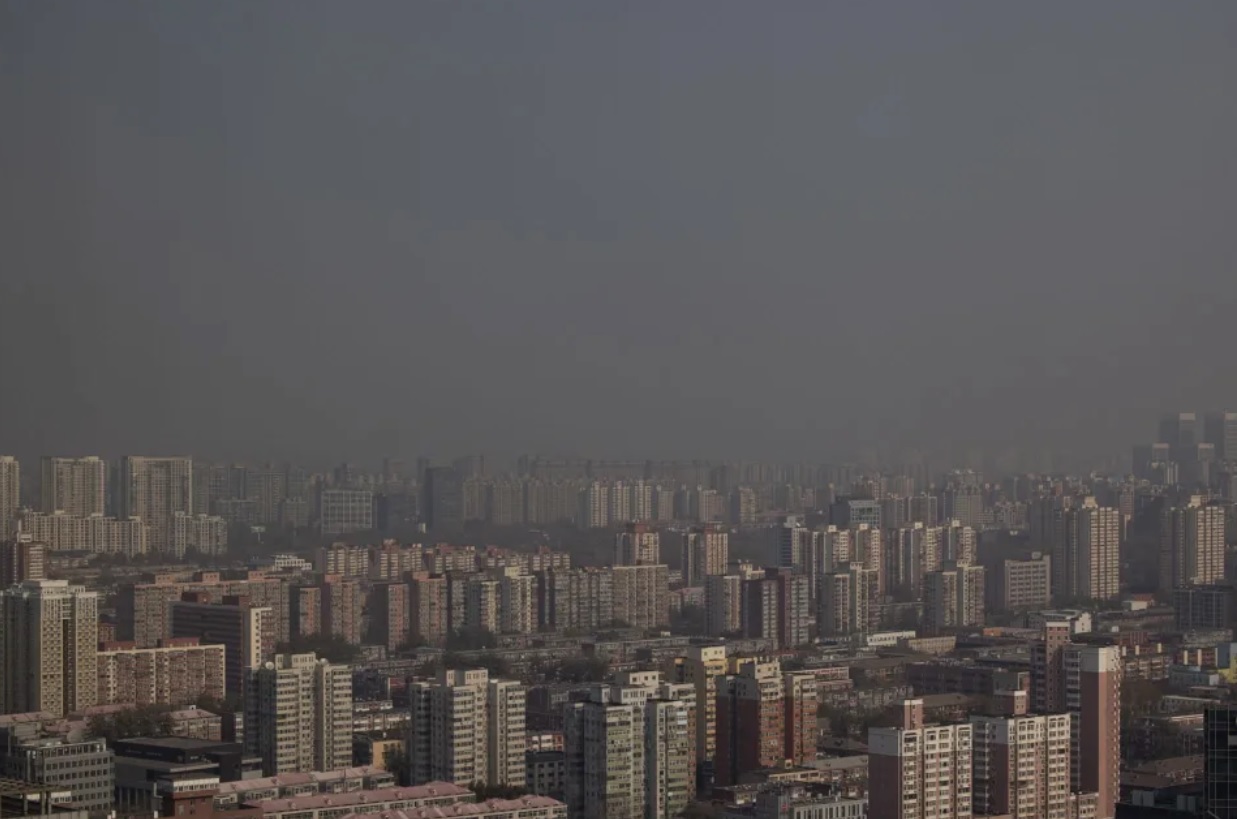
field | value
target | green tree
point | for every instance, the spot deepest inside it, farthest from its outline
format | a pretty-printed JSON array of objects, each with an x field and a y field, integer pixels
[
  {"x": 484, "y": 791},
  {"x": 471, "y": 638},
  {"x": 396, "y": 761},
  {"x": 142, "y": 721}
]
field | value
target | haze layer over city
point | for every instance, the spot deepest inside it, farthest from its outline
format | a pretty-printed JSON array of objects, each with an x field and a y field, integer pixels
[
  {"x": 637, "y": 230},
  {"x": 697, "y": 410}
]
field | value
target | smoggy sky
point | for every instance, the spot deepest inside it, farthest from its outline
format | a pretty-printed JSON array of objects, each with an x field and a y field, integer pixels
[{"x": 324, "y": 230}]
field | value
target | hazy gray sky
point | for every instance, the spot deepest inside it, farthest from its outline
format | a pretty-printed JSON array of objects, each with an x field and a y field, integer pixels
[{"x": 330, "y": 230}]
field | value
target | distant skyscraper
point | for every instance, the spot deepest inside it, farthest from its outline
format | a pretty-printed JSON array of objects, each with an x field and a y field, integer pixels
[
  {"x": 49, "y": 639},
  {"x": 10, "y": 495},
  {"x": 1192, "y": 545},
  {"x": 154, "y": 489},
  {"x": 443, "y": 502},
  {"x": 343, "y": 511},
  {"x": 75, "y": 486},
  {"x": 1220, "y": 430},
  {"x": 298, "y": 714},
  {"x": 1179, "y": 430}
]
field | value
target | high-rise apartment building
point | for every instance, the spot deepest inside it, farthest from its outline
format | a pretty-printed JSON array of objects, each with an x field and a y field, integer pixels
[
  {"x": 702, "y": 667},
  {"x": 604, "y": 748},
  {"x": 467, "y": 728},
  {"x": 204, "y": 534},
  {"x": 1022, "y": 584},
  {"x": 637, "y": 545},
  {"x": 506, "y": 733},
  {"x": 706, "y": 551},
  {"x": 911, "y": 553},
  {"x": 917, "y": 771},
  {"x": 388, "y": 614},
  {"x": 343, "y": 602},
  {"x": 1192, "y": 544},
  {"x": 642, "y": 595},
  {"x": 1092, "y": 552},
  {"x": 10, "y": 495},
  {"x": 154, "y": 489},
  {"x": 793, "y": 546},
  {"x": 428, "y": 610},
  {"x": 442, "y": 503},
  {"x": 517, "y": 602},
  {"x": 1084, "y": 681},
  {"x": 1021, "y": 765},
  {"x": 1092, "y": 678},
  {"x": 298, "y": 714},
  {"x": 958, "y": 543},
  {"x": 954, "y": 598},
  {"x": 800, "y": 705},
  {"x": 794, "y": 607},
  {"x": 341, "y": 511},
  {"x": 844, "y": 600},
  {"x": 833, "y": 550},
  {"x": 21, "y": 560},
  {"x": 580, "y": 598},
  {"x": 751, "y": 720},
  {"x": 723, "y": 604},
  {"x": 49, "y": 639},
  {"x": 75, "y": 486},
  {"x": 246, "y": 632}
]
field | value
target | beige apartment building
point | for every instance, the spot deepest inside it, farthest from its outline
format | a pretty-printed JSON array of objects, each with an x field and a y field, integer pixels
[
  {"x": 467, "y": 728},
  {"x": 75, "y": 486},
  {"x": 49, "y": 636},
  {"x": 176, "y": 673},
  {"x": 1192, "y": 545},
  {"x": 642, "y": 595},
  {"x": 63, "y": 532},
  {"x": 298, "y": 714},
  {"x": 154, "y": 489}
]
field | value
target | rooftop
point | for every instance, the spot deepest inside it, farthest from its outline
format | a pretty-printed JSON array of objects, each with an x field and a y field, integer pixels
[
  {"x": 286, "y": 780},
  {"x": 464, "y": 809},
  {"x": 434, "y": 790}
]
